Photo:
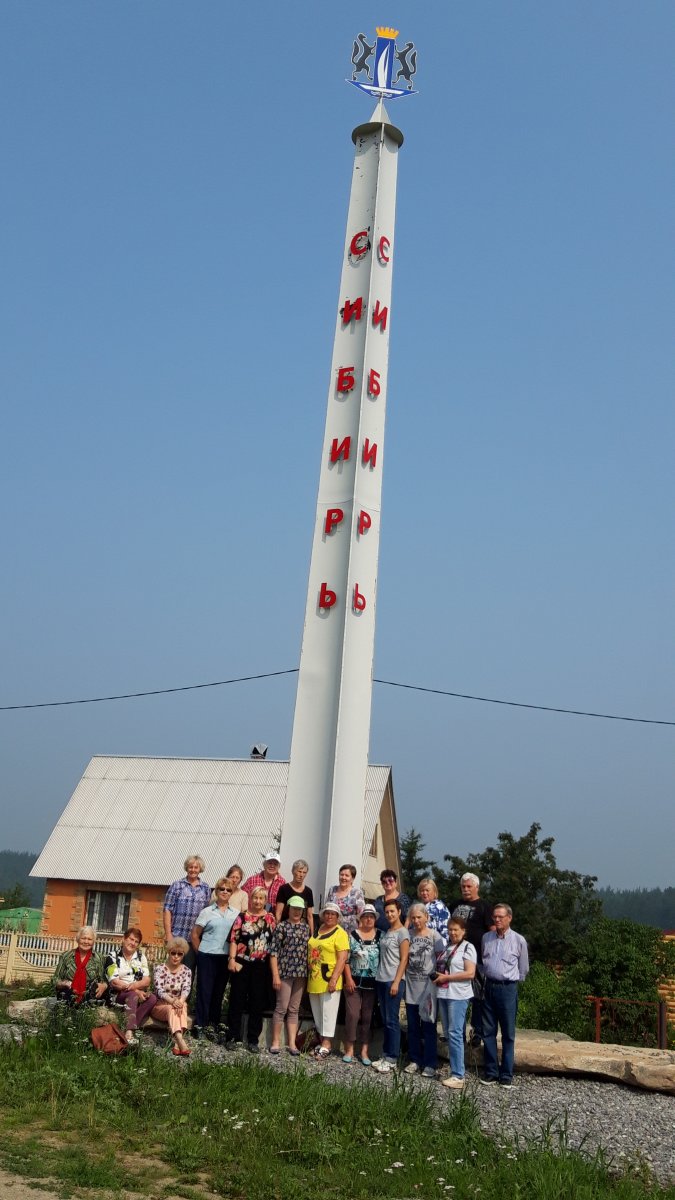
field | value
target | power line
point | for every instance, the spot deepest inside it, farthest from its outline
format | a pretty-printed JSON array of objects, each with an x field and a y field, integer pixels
[
  {"x": 189, "y": 687},
  {"x": 410, "y": 687},
  {"x": 573, "y": 712}
]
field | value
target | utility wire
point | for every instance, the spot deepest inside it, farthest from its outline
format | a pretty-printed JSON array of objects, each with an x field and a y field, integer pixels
[
  {"x": 573, "y": 712},
  {"x": 410, "y": 687},
  {"x": 189, "y": 687}
]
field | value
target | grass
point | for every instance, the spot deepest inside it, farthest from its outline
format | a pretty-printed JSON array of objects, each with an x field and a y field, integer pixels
[{"x": 158, "y": 1127}]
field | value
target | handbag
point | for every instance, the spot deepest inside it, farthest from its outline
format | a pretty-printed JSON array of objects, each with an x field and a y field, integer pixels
[
  {"x": 428, "y": 1005},
  {"x": 109, "y": 1039}
]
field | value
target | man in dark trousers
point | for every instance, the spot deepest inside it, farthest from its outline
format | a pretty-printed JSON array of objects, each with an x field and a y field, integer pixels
[
  {"x": 478, "y": 916},
  {"x": 505, "y": 963}
]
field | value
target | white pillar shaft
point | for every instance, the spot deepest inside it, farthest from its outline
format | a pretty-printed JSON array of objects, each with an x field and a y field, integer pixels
[{"x": 324, "y": 816}]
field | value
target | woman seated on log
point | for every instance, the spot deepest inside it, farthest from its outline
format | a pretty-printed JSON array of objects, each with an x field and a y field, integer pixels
[
  {"x": 79, "y": 977},
  {"x": 128, "y": 978},
  {"x": 173, "y": 981}
]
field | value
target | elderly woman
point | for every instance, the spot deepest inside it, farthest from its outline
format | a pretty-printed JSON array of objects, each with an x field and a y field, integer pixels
[
  {"x": 239, "y": 898},
  {"x": 350, "y": 900},
  {"x": 210, "y": 939},
  {"x": 426, "y": 947},
  {"x": 455, "y": 990},
  {"x": 172, "y": 982},
  {"x": 296, "y": 887},
  {"x": 288, "y": 962},
  {"x": 128, "y": 978},
  {"x": 437, "y": 913},
  {"x": 79, "y": 976},
  {"x": 327, "y": 955},
  {"x": 184, "y": 900},
  {"x": 250, "y": 942},
  {"x": 360, "y": 971}
]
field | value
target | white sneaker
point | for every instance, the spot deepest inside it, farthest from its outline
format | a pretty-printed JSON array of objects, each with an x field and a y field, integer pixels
[
  {"x": 411, "y": 1069},
  {"x": 454, "y": 1081},
  {"x": 383, "y": 1066}
]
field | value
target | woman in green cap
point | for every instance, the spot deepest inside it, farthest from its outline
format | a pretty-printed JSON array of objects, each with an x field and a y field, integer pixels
[{"x": 288, "y": 960}]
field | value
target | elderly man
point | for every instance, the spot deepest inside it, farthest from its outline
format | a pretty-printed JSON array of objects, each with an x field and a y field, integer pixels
[
  {"x": 269, "y": 878},
  {"x": 505, "y": 965},
  {"x": 478, "y": 916}
]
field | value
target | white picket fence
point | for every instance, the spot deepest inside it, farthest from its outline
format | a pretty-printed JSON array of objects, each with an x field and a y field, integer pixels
[{"x": 34, "y": 956}]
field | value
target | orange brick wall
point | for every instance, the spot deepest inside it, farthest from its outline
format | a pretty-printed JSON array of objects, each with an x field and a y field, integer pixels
[{"x": 63, "y": 911}]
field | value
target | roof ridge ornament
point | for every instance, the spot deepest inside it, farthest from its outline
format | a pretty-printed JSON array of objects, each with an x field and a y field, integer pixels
[{"x": 385, "y": 54}]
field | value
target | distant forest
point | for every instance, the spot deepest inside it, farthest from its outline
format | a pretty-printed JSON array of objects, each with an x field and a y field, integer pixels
[
  {"x": 14, "y": 868},
  {"x": 647, "y": 906}
]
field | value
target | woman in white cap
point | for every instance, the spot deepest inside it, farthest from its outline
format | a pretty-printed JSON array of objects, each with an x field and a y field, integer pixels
[
  {"x": 270, "y": 878},
  {"x": 327, "y": 955},
  {"x": 360, "y": 971},
  {"x": 288, "y": 962}
]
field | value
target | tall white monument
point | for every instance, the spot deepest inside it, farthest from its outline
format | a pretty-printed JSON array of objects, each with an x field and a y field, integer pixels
[{"x": 324, "y": 815}]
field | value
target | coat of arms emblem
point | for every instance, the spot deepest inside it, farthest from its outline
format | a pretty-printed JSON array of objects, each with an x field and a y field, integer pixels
[{"x": 379, "y": 75}]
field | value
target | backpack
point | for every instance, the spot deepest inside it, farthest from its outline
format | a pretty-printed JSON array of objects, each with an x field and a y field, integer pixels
[{"x": 109, "y": 1039}]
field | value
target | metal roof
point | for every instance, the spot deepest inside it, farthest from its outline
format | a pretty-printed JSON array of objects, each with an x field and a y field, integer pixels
[{"x": 135, "y": 820}]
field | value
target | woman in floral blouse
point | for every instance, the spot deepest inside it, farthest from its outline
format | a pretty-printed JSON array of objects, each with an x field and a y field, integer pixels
[
  {"x": 173, "y": 981},
  {"x": 250, "y": 942},
  {"x": 437, "y": 913},
  {"x": 349, "y": 899},
  {"x": 288, "y": 960},
  {"x": 359, "y": 974}
]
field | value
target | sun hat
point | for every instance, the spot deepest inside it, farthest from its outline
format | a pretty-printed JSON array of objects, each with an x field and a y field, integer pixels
[
  {"x": 296, "y": 902},
  {"x": 330, "y": 907},
  {"x": 369, "y": 910}
]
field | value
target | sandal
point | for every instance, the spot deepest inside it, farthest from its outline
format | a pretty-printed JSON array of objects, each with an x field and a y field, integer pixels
[
  {"x": 176, "y": 1051},
  {"x": 321, "y": 1052}
]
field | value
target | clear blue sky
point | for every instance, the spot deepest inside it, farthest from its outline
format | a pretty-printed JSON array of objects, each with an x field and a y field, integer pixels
[{"x": 175, "y": 187}]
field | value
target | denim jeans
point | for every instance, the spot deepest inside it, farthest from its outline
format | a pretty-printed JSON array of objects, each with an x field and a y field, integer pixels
[
  {"x": 500, "y": 1005},
  {"x": 389, "y": 1011},
  {"x": 422, "y": 1047},
  {"x": 453, "y": 1018}
]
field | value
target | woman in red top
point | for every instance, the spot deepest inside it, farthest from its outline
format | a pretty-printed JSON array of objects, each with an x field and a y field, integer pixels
[{"x": 79, "y": 973}]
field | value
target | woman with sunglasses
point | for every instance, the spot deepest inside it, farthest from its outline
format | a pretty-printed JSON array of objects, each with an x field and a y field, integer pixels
[
  {"x": 210, "y": 939},
  {"x": 172, "y": 983},
  {"x": 389, "y": 881}
]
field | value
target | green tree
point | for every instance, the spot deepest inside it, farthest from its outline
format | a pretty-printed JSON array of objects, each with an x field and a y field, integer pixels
[
  {"x": 554, "y": 909},
  {"x": 617, "y": 961},
  {"x": 15, "y": 897},
  {"x": 413, "y": 863}
]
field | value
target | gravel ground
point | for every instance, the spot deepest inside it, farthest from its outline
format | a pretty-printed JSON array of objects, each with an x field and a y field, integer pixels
[{"x": 626, "y": 1123}]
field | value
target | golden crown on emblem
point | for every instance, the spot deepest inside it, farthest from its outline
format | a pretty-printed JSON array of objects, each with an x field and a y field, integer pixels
[{"x": 385, "y": 32}]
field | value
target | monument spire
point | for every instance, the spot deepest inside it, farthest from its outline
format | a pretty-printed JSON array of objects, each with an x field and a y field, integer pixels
[{"x": 324, "y": 815}]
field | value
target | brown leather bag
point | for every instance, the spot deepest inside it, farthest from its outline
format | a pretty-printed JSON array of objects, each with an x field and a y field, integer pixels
[{"x": 109, "y": 1039}]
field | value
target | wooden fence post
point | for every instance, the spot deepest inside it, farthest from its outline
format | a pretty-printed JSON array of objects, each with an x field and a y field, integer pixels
[{"x": 11, "y": 956}]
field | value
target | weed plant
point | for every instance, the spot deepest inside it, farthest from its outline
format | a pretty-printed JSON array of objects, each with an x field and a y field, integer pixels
[{"x": 157, "y": 1125}]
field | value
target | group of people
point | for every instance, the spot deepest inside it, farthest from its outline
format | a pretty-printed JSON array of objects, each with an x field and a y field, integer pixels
[{"x": 261, "y": 934}]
